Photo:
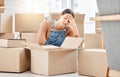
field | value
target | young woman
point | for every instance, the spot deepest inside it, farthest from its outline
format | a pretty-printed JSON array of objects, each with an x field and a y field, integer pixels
[{"x": 53, "y": 32}]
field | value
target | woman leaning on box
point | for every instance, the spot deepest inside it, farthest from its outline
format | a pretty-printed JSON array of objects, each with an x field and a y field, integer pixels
[{"x": 53, "y": 32}]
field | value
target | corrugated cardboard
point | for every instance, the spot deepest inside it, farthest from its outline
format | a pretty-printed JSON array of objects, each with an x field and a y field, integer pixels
[
  {"x": 14, "y": 60},
  {"x": 5, "y": 23},
  {"x": 93, "y": 41},
  {"x": 1, "y": 9},
  {"x": 99, "y": 31},
  {"x": 92, "y": 62},
  {"x": 12, "y": 42},
  {"x": 98, "y": 26},
  {"x": 80, "y": 27},
  {"x": 55, "y": 15},
  {"x": 1, "y": 2},
  {"x": 6, "y": 35},
  {"x": 28, "y": 22},
  {"x": 55, "y": 60},
  {"x": 79, "y": 18},
  {"x": 97, "y": 23},
  {"x": 29, "y": 37}
]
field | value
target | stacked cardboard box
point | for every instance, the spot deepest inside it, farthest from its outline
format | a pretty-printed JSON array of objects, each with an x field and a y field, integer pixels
[
  {"x": 98, "y": 27},
  {"x": 13, "y": 56},
  {"x": 92, "y": 62},
  {"x": 93, "y": 41},
  {"x": 30, "y": 37},
  {"x": 1, "y": 9},
  {"x": 12, "y": 43},
  {"x": 5, "y": 23},
  {"x": 28, "y": 25},
  {"x": 1, "y": 2},
  {"x": 57, "y": 60},
  {"x": 6, "y": 35},
  {"x": 14, "y": 59},
  {"x": 1, "y": 6},
  {"x": 29, "y": 22},
  {"x": 55, "y": 15},
  {"x": 79, "y": 19},
  {"x": 98, "y": 37}
]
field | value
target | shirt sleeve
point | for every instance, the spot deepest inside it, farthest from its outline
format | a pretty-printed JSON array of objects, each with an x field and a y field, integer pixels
[{"x": 42, "y": 33}]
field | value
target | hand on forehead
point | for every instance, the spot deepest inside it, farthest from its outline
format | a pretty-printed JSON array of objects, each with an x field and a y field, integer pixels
[{"x": 68, "y": 15}]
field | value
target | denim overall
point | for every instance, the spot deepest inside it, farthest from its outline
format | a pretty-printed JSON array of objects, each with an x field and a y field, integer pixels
[{"x": 56, "y": 37}]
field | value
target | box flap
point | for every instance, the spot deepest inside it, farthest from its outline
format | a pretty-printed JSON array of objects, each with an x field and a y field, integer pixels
[
  {"x": 35, "y": 46},
  {"x": 72, "y": 42}
]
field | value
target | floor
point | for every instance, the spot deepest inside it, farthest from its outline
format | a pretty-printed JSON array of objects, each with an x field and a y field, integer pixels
[{"x": 29, "y": 74}]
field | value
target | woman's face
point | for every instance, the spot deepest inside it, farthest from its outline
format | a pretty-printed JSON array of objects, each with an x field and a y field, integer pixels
[{"x": 65, "y": 19}]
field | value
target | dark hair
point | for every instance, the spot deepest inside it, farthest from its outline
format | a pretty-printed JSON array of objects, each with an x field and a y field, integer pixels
[{"x": 69, "y": 11}]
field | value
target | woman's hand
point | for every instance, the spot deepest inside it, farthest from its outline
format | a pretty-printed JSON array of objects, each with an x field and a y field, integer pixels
[{"x": 70, "y": 20}]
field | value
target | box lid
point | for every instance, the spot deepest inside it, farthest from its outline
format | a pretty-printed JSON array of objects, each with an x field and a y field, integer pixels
[{"x": 72, "y": 42}]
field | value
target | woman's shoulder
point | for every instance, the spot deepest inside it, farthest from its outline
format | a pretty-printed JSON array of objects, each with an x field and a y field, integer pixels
[{"x": 47, "y": 22}]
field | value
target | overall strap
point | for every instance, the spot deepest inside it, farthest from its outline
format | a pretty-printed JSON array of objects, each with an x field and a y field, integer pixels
[{"x": 53, "y": 24}]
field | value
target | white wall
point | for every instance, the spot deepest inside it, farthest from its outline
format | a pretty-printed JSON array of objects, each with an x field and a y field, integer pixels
[{"x": 87, "y": 7}]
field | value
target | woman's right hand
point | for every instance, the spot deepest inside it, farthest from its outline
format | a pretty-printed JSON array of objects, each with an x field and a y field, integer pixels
[{"x": 41, "y": 43}]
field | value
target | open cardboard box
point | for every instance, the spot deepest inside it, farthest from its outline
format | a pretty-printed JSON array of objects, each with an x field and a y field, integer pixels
[{"x": 52, "y": 60}]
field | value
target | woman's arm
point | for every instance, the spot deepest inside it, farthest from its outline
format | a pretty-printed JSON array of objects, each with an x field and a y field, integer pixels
[
  {"x": 41, "y": 38},
  {"x": 72, "y": 28}
]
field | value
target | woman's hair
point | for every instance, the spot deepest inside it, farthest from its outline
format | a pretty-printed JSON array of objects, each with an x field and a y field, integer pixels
[{"x": 69, "y": 11}]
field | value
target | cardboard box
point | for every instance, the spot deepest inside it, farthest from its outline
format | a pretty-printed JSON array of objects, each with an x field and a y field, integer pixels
[
  {"x": 12, "y": 42},
  {"x": 5, "y": 23},
  {"x": 79, "y": 18},
  {"x": 55, "y": 15},
  {"x": 14, "y": 60},
  {"x": 92, "y": 62},
  {"x": 55, "y": 60},
  {"x": 6, "y": 35},
  {"x": 1, "y": 9},
  {"x": 28, "y": 22},
  {"x": 97, "y": 23},
  {"x": 93, "y": 41},
  {"x": 99, "y": 31},
  {"x": 98, "y": 26},
  {"x": 114, "y": 73},
  {"x": 80, "y": 27},
  {"x": 27, "y": 37},
  {"x": 1, "y": 2}
]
